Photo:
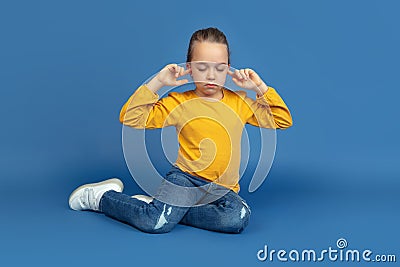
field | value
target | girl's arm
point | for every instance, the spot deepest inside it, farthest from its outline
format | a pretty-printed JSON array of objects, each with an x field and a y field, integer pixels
[
  {"x": 144, "y": 109},
  {"x": 268, "y": 110}
]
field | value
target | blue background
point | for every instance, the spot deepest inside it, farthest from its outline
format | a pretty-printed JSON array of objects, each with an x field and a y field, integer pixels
[{"x": 66, "y": 68}]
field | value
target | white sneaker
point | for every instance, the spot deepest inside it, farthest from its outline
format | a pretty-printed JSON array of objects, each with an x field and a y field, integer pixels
[{"x": 87, "y": 197}]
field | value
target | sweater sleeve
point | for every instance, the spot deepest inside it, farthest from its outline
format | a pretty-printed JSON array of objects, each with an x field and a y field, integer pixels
[
  {"x": 269, "y": 111},
  {"x": 144, "y": 109}
]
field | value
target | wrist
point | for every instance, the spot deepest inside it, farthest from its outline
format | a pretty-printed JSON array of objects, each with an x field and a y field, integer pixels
[
  {"x": 154, "y": 85},
  {"x": 261, "y": 89}
]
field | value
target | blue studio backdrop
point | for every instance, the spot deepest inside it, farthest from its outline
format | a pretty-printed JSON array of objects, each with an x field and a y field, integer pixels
[{"x": 67, "y": 67}]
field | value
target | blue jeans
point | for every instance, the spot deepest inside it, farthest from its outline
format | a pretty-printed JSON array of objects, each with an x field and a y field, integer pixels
[{"x": 229, "y": 214}]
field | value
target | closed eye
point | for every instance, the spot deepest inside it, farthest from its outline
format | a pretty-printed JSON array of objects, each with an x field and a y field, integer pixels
[{"x": 220, "y": 70}]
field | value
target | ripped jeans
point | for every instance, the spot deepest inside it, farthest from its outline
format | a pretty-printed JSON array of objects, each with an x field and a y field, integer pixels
[{"x": 229, "y": 213}]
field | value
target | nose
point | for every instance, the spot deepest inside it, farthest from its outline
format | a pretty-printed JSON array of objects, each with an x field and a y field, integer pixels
[{"x": 210, "y": 74}]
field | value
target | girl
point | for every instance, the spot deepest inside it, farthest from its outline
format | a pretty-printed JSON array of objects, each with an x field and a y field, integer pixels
[{"x": 201, "y": 189}]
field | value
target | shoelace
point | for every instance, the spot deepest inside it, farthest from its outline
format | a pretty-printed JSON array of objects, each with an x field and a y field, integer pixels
[{"x": 88, "y": 199}]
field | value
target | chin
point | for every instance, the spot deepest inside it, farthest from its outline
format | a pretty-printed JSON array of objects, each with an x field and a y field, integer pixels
[{"x": 210, "y": 91}]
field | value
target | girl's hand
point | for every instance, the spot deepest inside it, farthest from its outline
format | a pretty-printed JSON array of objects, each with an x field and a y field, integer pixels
[
  {"x": 168, "y": 77},
  {"x": 247, "y": 79},
  {"x": 169, "y": 74}
]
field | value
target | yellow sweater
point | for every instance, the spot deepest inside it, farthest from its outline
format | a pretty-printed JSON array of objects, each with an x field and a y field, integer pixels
[{"x": 209, "y": 131}]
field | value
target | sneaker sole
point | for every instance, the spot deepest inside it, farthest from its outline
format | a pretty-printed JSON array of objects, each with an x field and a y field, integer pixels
[{"x": 109, "y": 181}]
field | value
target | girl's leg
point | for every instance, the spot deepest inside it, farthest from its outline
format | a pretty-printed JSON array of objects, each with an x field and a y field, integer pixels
[
  {"x": 229, "y": 214},
  {"x": 148, "y": 216}
]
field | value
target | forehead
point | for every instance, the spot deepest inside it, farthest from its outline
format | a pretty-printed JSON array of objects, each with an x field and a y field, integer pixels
[{"x": 211, "y": 52}]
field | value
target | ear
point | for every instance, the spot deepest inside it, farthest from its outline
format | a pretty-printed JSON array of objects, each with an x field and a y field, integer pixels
[{"x": 189, "y": 67}]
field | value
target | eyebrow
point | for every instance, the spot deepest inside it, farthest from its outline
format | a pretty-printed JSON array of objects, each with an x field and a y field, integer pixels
[{"x": 205, "y": 62}]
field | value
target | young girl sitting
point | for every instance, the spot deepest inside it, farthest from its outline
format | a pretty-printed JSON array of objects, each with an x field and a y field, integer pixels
[{"x": 201, "y": 189}]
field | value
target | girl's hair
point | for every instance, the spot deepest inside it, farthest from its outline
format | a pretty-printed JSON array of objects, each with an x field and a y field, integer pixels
[{"x": 212, "y": 35}]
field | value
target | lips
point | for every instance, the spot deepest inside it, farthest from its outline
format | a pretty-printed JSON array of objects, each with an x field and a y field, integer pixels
[{"x": 211, "y": 85}]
